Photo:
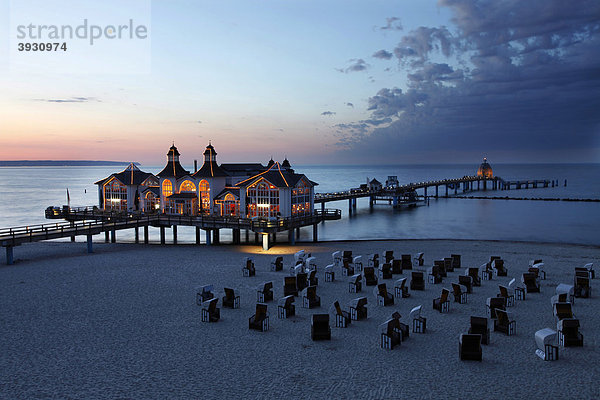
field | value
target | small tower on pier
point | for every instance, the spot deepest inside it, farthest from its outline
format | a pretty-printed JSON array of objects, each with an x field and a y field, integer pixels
[{"x": 485, "y": 170}]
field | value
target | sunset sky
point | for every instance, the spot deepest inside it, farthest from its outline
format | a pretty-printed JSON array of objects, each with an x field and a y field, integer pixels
[{"x": 352, "y": 82}]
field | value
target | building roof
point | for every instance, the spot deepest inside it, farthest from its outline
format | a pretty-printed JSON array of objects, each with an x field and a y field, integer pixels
[
  {"x": 173, "y": 169},
  {"x": 210, "y": 169},
  {"x": 485, "y": 169},
  {"x": 173, "y": 151},
  {"x": 153, "y": 189},
  {"x": 235, "y": 191},
  {"x": 374, "y": 182},
  {"x": 277, "y": 176},
  {"x": 244, "y": 168},
  {"x": 131, "y": 175}
]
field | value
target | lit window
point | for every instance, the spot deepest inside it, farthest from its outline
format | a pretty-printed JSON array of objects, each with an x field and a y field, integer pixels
[
  {"x": 167, "y": 188},
  {"x": 187, "y": 186}
]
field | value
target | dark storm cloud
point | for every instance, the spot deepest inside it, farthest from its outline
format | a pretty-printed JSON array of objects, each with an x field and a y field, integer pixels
[
  {"x": 510, "y": 75},
  {"x": 383, "y": 54}
]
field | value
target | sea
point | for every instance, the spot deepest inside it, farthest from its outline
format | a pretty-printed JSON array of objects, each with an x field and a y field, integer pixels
[{"x": 25, "y": 192}]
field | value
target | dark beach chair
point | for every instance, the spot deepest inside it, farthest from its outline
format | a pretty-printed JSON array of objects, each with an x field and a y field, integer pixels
[
  {"x": 417, "y": 282},
  {"x": 347, "y": 256},
  {"x": 400, "y": 289},
  {"x": 301, "y": 281},
  {"x": 204, "y": 293},
  {"x": 455, "y": 260},
  {"x": 388, "y": 256},
  {"x": 289, "y": 286},
  {"x": 441, "y": 268},
  {"x": 265, "y": 292},
  {"x": 568, "y": 333},
  {"x": 358, "y": 308},
  {"x": 396, "y": 266},
  {"x": 403, "y": 327},
  {"x": 442, "y": 304},
  {"x": 434, "y": 274},
  {"x": 312, "y": 278},
  {"x": 260, "y": 320},
  {"x": 582, "y": 287},
  {"x": 474, "y": 274},
  {"x": 419, "y": 322},
  {"x": 342, "y": 318},
  {"x": 277, "y": 264},
  {"x": 310, "y": 298},
  {"x": 347, "y": 269},
  {"x": 406, "y": 262},
  {"x": 467, "y": 282},
  {"x": 530, "y": 282},
  {"x": 210, "y": 312},
  {"x": 419, "y": 259},
  {"x": 562, "y": 311},
  {"x": 504, "y": 323},
  {"x": 493, "y": 304},
  {"x": 384, "y": 298},
  {"x": 504, "y": 292},
  {"x": 499, "y": 268},
  {"x": 460, "y": 296},
  {"x": 370, "y": 277},
  {"x": 479, "y": 326},
  {"x": 373, "y": 260},
  {"x": 319, "y": 327},
  {"x": 355, "y": 283},
  {"x": 391, "y": 335},
  {"x": 286, "y": 307},
  {"x": 448, "y": 264},
  {"x": 248, "y": 269},
  {"x": 385, "y": 271},
  {"x": 469, "y": 347},
  {"x": 230, "y": 300}
]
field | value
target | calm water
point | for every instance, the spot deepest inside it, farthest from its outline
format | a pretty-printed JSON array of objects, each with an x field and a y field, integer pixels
[{"x": 25, "y": 192}]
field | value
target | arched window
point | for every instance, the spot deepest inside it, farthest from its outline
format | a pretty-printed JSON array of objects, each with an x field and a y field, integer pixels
[
  {"x": 167, "y": 188},
  {"x": 263, "y": 199},
  {"x": 187, "y": 186},
  {"x": 115, "y": 195},
  {"x": 151, "y": 202},
  {"x": 204, "y": 189},
  {"x": 301, "y": 198}
]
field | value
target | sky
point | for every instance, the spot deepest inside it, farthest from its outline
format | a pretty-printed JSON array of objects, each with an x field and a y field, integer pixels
[{"x": 321, "y": 82}]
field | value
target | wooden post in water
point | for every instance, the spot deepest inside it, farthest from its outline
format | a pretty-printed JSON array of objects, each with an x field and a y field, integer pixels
[
  {"x": 216, "y": 236},
  {"x": 291, "y": 237},
  {"x": 315, "y": 233},
  {"x": 113, "y": 236},
  {"x": 137, "y": 235},
  {"x": 146, "y": 234},
  {"x": 106, "y": 237},
  {"x": 436, "y": 191},
  {"x": 207, "y": 235},
  {"x": 89, "y": 244},
  {"x": 197, "y": 235},
  {"x": 9, "y": 255},
  {"x": 174, "y": 234},
  {"x": 162, "y": 235},
  {"x": 72, "y": 226}
]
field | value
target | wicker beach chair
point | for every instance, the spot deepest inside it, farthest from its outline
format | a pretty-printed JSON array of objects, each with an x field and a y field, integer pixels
[
  {"x": 277, "y": 264},
  {"x": 530, "y": 281},
  {"x": 385, "y": 271},
  {"x": 419, "y": 259},
  {"x": 562, "y": 311},
  {"x": 358, "y": 309},
  {"x": 448, "y": 264},
  {"x": 373, "y": 260},
  {"x": 467, "y": 282},
  {"x": 565, "y": 293},
  {"x": 442, "y": 304},
  {"x": 347, "y": 269},
  {"x": 474, "y": 274},
  {"x": 319, "y": 327},
  {"x": 312, "y": 278},
  {"x": 419, "y": 322},
  {"x": 545, "y": 339},
  {"x": 455, "y": 260},
  {"x": 460, "y": 296},
  {"x": 204, "y": 293},
  {"x": 390, "y": 334},
  {"x": 248, "y": 269},
  {"x": 400, "y": 289},
  {"x": 289, "y": 286},
  {"x": 388, "y": 256},
  {"x": 260, "y": 320},
  {"x": 342, "y": 318},
  {"x": 301, "y": 281},
  {"x": 358, "y": 263},
  {"x": 347, "y": 256},
  {"x": 310, "y": 298},
  {"x": 210, "y": 312},
  {"x": 494, "y": 303},
  {"x": 355, "y": 283},
  {"x": 384, "y": 298},
  {"x": 499, "y": 269},
  {"x": 404, "y": 328},
  {"x": 286, "y": 307},
  {"x": 336, "y": 256},
  {"x": 469, "y": 347},
  {"x": 265, "y": 292},
  {"x": 568, "y": 332},
  {"x": 370, "y": 277},
  {"x": 504, "y": 322},
  {"x": 434, "y": 274},
  {"x": 582, "y": 287},
  {"x": 416, "y": 281},
  {"x": 441, "y": 267},
  {"x": 329, "y": 273},
  {"x": 479, "y": 326},
  {"x": 406, "y": 262},
  {"x": 230, "y": 300},
  {"x": 396, "y": 266},
  {"x": 506, "y": 293}
]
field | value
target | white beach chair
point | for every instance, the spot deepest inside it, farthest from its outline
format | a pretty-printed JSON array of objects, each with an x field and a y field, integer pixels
[
  {"x": 564, "y": 290},
  {"x": 390, "y": 333},
  {"x": 541, "y": 270},
  {"x": 358, "y": 265},
  {"x": 418, "y": 258},
  {"x": 329, "y": 273},
  {"x": 371, "y": 260},
  {"x": 299, "y": 256},
  {"x": 285, "y": 307},
  {"x": 337, "y": 258},
  {"x": 310, "y": 264},
  {"x": 204, "y": 293},
  {"x": 355, "y": 283},
  {"x": 400, "y": 288},
  {"x": 419, "y": 322},
  {"x": 545, "y": 339}
]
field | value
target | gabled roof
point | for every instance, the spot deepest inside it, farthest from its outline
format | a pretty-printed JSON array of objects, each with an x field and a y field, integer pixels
[
  {"x": 375, "y": 182},
  {"x": 173, "y": 169},
  {"x": 153, "y": 189},
  {"x": 210, "y": 169},
  {"x": 131, "y": 175},
  {"x": 277, "y": 176},
  {"x": 235, "y": 191}
]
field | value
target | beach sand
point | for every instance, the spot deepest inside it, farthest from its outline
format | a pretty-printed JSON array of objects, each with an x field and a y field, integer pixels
[{"x": 123, "y": 323}]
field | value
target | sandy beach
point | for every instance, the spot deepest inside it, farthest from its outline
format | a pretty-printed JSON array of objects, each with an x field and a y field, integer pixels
[{"x": 123, "y": 323}]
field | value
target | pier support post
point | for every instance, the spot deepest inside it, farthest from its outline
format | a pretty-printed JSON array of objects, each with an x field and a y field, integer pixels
[
  {"x": 265, "y": 241},
  {"x": 315, "y": 233},
  {"x": 446, "y": 190},
  {"x": 291, "y": 237},
  {"x": 236, "y": 236},
  {"x": 354, "y": 203},
  {"x": 90, "y": 249},
  {"x": 174, "y": 234},
  {"x": 323, "y": 207},
  {"x": 456, "y": 188},
  {"x": 146, "y": 234},
  {"x": 247, "y": 235},
  {"x": 216, "y": 236},
  {"x": 137, "y": 235},
  {"x": 106, "y": 237},
  {"x": 425, "y": 191},
  {"x": 349, "y": 206},
  {"x": 197, "y": 235},
  {"x": 72, "y": 226},
  {"x": 478, "y": 184},
  {"x": 485, "y": 184},
  {"x": 9, "y": 255},
  {"x": 207, "y": 236},
  {"x": 162, "y": 235},
  {"x": 297, "y": 233},
  {"x": 113, "y": 236},
  {"x": 255, "y": 237},
  {"x": 395, "y": 201},
  {"x": 436, "y": 191},
  {"x": 274, "y": 237}
]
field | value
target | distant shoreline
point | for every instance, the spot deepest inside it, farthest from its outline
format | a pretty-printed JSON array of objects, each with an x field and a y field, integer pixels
[{"x": 61, "y": 163}]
